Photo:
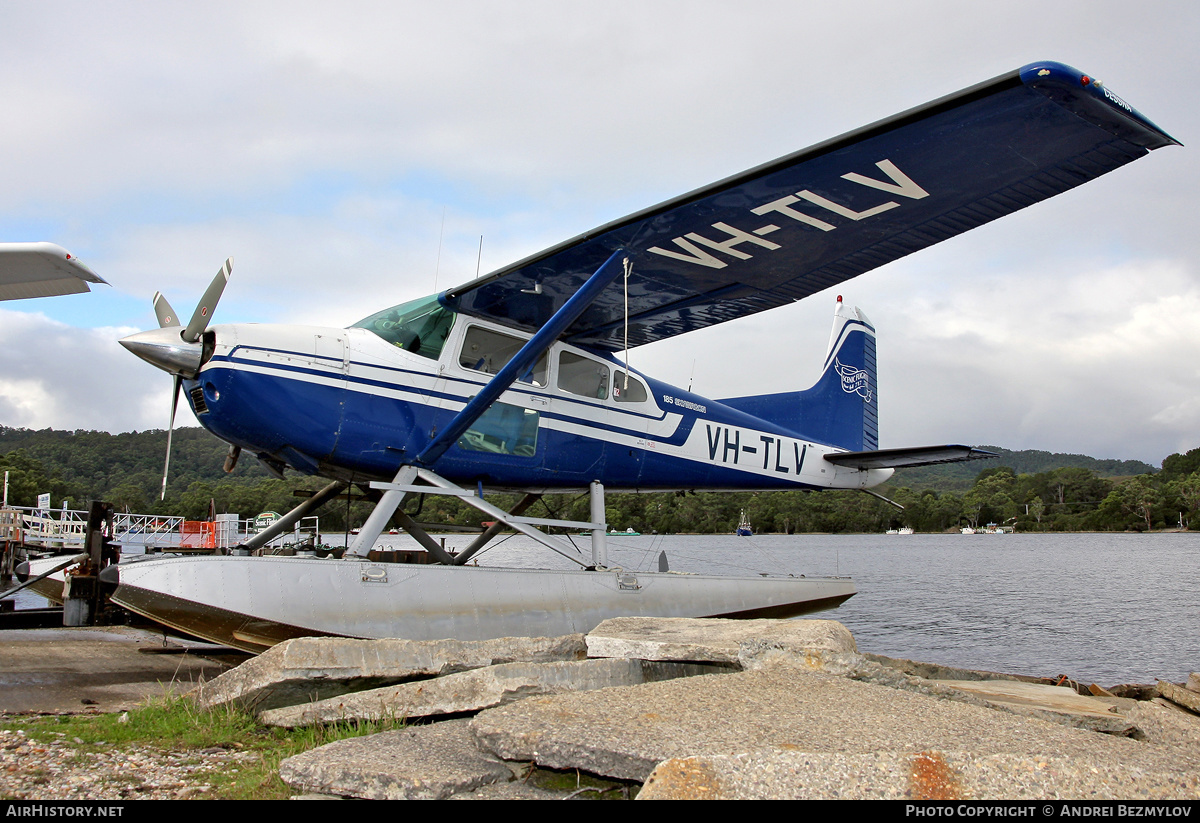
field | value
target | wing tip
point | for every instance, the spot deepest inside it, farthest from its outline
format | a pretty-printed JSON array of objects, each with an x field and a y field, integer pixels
[{"x": 1082, "y": 93}]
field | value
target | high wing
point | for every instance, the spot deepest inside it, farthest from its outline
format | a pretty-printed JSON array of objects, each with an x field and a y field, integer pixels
[
  {"x": 41, "y": 270},
  {"x": 792, "y": 227}
]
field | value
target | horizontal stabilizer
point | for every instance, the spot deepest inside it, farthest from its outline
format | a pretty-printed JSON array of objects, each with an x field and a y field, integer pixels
[{"x": 907, "y": 458}]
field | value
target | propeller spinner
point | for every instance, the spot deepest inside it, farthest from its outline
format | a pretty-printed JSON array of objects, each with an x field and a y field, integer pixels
[{"x": 175, "y": 351}]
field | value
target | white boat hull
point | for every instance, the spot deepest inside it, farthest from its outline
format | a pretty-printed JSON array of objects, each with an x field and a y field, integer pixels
[{"x": 254, "y": 602}]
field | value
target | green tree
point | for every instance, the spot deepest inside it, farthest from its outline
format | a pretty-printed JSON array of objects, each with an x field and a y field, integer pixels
[
  {"x": 1134, "y": 498},
  {"x": 1187, "y": 491},
  {"x": 27, "y": 478}
]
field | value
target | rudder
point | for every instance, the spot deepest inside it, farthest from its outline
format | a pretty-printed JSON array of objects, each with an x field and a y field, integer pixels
[{"x": 842, "y": 407}]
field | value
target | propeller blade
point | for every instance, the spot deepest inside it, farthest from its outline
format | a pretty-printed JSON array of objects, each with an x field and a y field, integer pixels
[
  {"x": 170, "y": 431},
  {"x": 208, "y": 303},
  {"x": 163, "y": 311}
]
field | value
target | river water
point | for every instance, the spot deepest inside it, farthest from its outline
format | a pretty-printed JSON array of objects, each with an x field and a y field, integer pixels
[{"x": 1100, "y": 608}]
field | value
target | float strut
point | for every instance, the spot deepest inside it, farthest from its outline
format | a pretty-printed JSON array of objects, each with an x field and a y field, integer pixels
[
  {"x": 491, "y": 531},
  {"x": 421, "y": 536},
  {"x": 599, "y": 536},
  {"x": 381, "y": 514},
  {"x": 288, "y": 520}
]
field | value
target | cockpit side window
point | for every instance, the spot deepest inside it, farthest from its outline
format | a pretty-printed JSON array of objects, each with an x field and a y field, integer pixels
[
  {"x": 582, "y": 375},
  {"x": 489, "y": 351},
  {"x": 419, "y": 326}
]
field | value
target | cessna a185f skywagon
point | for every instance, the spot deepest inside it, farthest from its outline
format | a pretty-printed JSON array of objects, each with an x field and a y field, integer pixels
[{"x": 515, "y": 381}]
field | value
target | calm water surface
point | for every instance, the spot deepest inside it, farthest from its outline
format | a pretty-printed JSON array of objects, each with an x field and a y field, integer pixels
[{"x": 1100, "y": 608}]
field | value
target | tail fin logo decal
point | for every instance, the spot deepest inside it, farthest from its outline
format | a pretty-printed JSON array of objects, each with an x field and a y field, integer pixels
[{"x": 854, "y": 380}]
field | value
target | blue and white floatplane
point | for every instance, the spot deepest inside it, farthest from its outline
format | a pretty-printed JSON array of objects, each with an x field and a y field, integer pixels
[{"x": 514, "y": 380}]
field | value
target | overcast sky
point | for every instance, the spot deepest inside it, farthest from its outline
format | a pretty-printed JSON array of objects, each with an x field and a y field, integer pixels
[{"x": 321, "y": 147}]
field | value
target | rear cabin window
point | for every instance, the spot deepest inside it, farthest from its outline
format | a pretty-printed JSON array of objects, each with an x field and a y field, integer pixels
[
  {"x": 582, "y": 375},
  {"x": 632, "y": 392},
  {"x": 489, "y": 351}
]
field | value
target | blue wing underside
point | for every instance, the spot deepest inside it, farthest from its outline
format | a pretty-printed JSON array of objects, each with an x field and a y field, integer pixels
[{"x": 788, "y": 229}]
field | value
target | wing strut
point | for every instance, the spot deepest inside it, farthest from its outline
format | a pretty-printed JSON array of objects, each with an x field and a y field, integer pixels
[
  {"x": 523, "y": 359},
  {"x": 402, "y": 484}
]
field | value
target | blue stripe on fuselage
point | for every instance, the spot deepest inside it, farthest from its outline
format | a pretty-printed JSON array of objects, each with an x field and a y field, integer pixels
[{"x": 294, "y": 412}]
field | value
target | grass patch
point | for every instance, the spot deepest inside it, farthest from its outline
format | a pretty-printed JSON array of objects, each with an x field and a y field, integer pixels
[
  {"x": 582, "y": 785},
  {"x": 174, "y": 723}
]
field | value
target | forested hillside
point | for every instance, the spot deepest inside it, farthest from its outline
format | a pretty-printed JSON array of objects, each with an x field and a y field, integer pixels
[
  {"x": 126, "y": 467},
  {"x": 958, "y": 477},
  {"x": 1032, "y": 490}
]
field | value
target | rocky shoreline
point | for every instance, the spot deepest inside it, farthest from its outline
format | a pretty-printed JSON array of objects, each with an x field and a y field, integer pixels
[
  {"x": 713, "y": 709},
  {"x": 667, "y": 709}
]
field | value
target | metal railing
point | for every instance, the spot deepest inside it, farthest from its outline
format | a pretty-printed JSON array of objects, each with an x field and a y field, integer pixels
[
  {"x": 149, "y": 531},
  {"x": 64, "y": 530},
  {"x": 40, "y": 527},
  {"x": 306, "y": 531}
]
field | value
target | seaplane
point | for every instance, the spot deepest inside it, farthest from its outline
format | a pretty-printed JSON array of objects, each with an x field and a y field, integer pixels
[{"x": 518, "y": 380}]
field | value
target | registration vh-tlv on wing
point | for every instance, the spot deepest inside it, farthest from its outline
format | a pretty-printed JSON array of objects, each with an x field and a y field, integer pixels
[{"x": 516, "y": 380}]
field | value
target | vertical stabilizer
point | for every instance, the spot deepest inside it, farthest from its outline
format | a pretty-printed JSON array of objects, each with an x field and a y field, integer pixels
[{"x": 842, "y": 407}]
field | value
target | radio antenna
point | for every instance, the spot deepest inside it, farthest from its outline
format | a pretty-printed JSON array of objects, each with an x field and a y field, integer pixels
[
  {"x": 438, "y": 266},
  {"x": 479, "y": 258}
]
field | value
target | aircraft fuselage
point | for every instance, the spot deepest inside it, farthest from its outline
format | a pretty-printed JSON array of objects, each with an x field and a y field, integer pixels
[{"x": 349, "y": 404}]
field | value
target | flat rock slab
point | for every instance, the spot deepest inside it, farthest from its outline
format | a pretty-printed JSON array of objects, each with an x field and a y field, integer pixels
[
  {"x": 927, "y": 775},
  {"x": 315, "y": 668},
  {"x": 625, "y": 732},
  {"x": 716, "y": 640},
  {"x": 1179, "y": 696},
  {"x": 477, "y": 689},
  {"x": 422, "y": 763},
  {"x": 936, "y": 671},
  {"x": 1038, "y": 698}
]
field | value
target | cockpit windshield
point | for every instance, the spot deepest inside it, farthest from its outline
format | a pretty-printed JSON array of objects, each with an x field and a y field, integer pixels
[{"x": 418, "y": 326}]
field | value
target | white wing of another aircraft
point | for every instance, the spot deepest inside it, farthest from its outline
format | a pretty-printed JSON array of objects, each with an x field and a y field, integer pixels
[{"x": 41, "y": 270}]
